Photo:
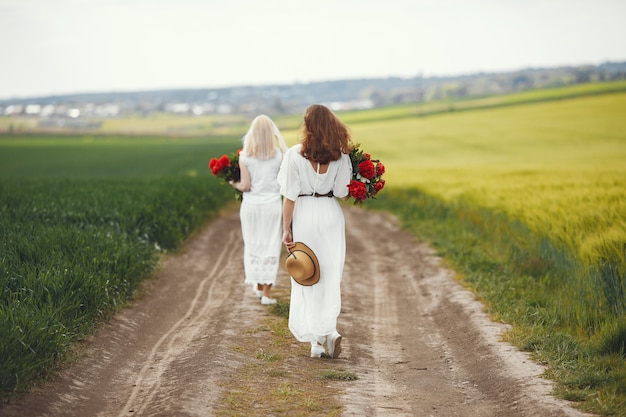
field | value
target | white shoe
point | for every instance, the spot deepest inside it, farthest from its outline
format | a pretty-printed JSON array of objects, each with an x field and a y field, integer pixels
[
  {"x": 334, "y": 344},
  {"x": 267, "y": 301},
  {"x": 256, "y": 291},
  {"x": 317, "y": 351}
]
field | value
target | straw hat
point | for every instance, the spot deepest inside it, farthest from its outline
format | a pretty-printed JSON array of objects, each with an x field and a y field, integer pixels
[{"x": 302, "y": 265}]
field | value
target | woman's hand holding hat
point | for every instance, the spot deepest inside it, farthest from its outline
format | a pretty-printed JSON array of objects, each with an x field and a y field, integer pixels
[
  {"x": 302, "y": 265},
  {"x": 288, "y": 240}
]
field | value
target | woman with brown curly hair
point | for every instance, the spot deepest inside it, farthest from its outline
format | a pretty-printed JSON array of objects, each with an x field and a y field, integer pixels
[{"x": 312, "y": 173}]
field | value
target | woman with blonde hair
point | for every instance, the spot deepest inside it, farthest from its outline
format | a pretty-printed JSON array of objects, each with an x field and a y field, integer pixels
[
  {"x": 313, "y": 172},
  {"x": 261, "y": 208}
]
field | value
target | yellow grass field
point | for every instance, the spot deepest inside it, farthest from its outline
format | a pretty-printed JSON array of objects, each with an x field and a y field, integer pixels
[{"x": 558, "y": 166}]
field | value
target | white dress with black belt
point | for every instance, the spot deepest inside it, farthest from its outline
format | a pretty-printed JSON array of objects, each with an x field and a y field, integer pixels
[{"x": 319, "y": 223}]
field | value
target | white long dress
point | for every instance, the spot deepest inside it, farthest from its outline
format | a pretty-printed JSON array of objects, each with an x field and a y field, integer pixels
[
  {"x": 319, "y": 223},
  {"x": 261, "y": 220}
]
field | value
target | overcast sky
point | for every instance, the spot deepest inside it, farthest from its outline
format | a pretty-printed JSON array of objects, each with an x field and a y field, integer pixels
[{"x": 73, "y": 46}]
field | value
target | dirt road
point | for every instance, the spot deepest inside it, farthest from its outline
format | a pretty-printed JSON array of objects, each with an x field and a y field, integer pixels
[{"x": 419, "y": 344}]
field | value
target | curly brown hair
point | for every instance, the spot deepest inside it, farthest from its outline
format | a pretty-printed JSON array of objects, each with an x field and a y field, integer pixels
[{"x": 324, "y": 136}]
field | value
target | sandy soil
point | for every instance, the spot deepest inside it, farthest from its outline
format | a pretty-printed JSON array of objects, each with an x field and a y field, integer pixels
[{"x": 419, "y": 343}]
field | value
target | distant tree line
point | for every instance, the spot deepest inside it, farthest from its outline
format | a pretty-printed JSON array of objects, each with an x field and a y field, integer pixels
[{"x": 374, "y": 92}]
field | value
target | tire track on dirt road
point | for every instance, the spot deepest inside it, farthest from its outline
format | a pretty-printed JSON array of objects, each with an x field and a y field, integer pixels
[
  {"x": 420, "y": 343},
  {"x": 179, "y": 336},
  {"x": 166, "y": 353}
]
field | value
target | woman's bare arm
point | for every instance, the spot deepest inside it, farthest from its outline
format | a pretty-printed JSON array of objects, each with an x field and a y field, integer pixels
[
  {"x": 243, "y": 184},
  {"x": 288, "y": 208}
]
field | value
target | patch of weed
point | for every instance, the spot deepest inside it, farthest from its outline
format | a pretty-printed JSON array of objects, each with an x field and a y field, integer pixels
[{"x": 339, "y": 375}]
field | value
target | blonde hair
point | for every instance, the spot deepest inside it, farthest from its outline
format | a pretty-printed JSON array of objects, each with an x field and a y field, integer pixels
[{"x": 259, "y": 141}]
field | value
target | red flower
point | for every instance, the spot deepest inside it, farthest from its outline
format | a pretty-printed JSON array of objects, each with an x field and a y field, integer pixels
[
  {"x": 366, "y": 176},
  {"x": 380, "y": 169},
  {"x": 224, "y": 162},
  {"x": 379, "y": 185},
  {"x": 218, "y": 165},
  {"x": 357, "y": 190},
  {"x": 214, "y": 165},
  {"x": 226, "y": 167},
  {"x": 367, "y": 169}
]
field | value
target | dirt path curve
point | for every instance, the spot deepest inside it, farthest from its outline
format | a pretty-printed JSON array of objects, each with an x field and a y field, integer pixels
[{"x": 419, "y": 344}]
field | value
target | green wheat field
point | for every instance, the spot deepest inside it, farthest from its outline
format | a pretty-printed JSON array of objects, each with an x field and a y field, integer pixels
[{"x": 523, "y": 195}]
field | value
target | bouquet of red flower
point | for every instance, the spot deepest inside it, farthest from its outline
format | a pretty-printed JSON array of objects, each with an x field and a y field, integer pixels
[
  {"x": 226, "y": 167},
  {"x": 367, "y": 175}
]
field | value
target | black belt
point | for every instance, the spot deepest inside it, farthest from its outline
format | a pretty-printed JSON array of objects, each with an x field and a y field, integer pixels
[{"x": 329, "y": 194}]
